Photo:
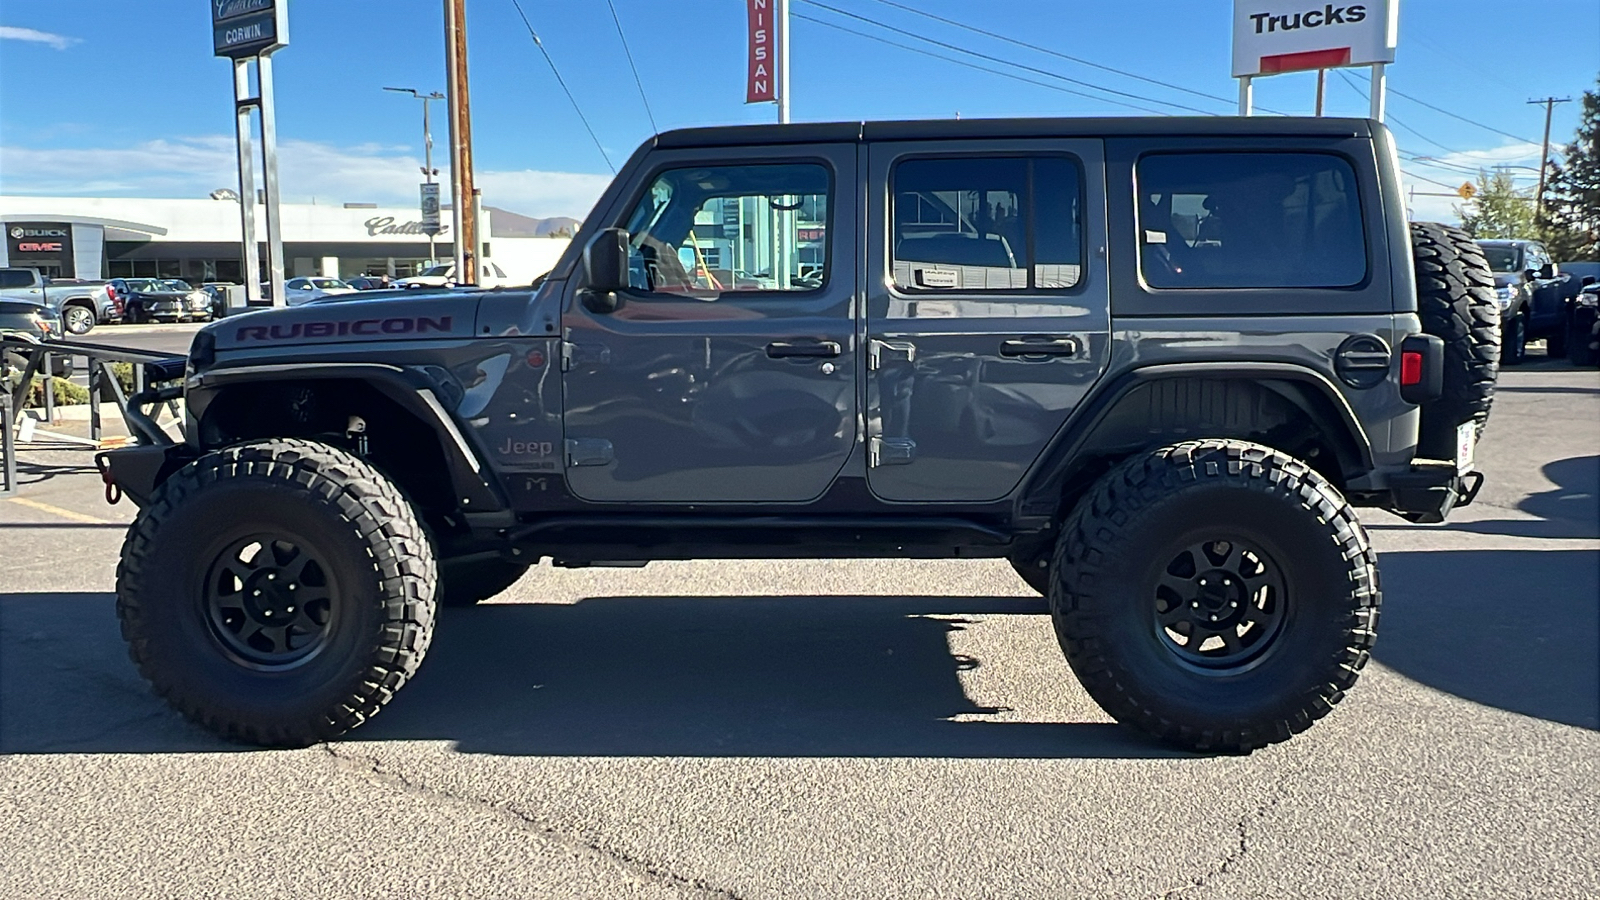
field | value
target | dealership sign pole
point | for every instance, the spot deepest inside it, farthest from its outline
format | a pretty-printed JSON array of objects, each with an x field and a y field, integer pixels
[
  {"x": 1271, "y": 37},
  {"x": 243, "y": 30}
]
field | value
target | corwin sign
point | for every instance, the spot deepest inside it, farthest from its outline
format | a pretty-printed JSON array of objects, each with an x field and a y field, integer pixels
[
  {"x": 248, "y": 27},
  {"x": 1272, "y": 36}
]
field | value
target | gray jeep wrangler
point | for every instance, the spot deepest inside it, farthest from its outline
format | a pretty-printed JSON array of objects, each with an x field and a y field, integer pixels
[{"x": 1150, "y": 362}]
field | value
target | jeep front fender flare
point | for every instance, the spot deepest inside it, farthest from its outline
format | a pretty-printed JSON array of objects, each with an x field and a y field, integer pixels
[{"x": 414, "y": 392}]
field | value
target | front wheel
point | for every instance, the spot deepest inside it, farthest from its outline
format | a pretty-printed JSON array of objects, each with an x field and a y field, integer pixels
[
  {"x": 1216, "y": 594},
  {"x": 277, "y": 593},
  {"x": 1514, "y": 342}
]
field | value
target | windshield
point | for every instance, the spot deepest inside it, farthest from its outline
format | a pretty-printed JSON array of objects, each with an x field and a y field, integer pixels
[
  {"x": 174, "y": 285},
  {"x": 142, "y": 284},
  {"x": 438, "y": 270},
  {"x": 330, "y": 284},
  {"x": 1503, "y": 258}
]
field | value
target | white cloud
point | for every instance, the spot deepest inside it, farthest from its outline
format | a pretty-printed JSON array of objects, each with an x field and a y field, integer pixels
[
  {"x": 307, "y": 170},
  {"x": 12, "y": 33},
  {"x": 1441, "y": 174}
]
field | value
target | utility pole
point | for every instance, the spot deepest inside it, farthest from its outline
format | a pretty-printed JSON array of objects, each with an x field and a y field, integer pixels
[
  {"x": 1544, "y": 154},
  {"x": 428, "y": 171},
  {"x": 462, "y": 207}
]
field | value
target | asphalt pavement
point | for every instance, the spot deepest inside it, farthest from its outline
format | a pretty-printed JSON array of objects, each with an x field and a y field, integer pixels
[
  {"x": 172, "y": 339},
  {"x": 872, "y": 729}
]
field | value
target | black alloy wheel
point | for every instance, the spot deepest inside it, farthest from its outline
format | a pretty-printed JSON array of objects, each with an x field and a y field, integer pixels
[
  {"x": 269, "y": 600},
  {"x": 1220, "y": 604}
]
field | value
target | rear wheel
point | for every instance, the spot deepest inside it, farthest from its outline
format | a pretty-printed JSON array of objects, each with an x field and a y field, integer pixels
[
  {"x": 277, "y": 593},
  {"x": 78, "y": 319},
  {"x": 1216, "y": 594}
]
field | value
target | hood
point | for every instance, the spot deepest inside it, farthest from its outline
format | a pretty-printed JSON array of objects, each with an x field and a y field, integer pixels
[{"x": 347, "y": 318}]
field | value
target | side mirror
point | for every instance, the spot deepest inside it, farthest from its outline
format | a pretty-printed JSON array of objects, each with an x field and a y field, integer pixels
[
  {"x": 1548, "y": 270},
  {"x": 605, "y": 271},
  {"x": 1530, "y": 274}
]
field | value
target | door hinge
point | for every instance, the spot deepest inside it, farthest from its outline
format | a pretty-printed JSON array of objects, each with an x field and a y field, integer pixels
[
  {"x": 876, "y": 350},
  {"x": 883, "y": 451},
  {"x": 566, "y": 355}
]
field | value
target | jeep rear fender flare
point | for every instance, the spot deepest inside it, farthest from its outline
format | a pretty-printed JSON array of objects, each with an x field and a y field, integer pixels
[
  {"x": 1318, "y": 399},
  {"x": 413, "y": 391}
]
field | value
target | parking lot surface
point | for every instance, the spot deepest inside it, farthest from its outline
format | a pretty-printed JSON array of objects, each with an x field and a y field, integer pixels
[{"x": 835, "y": 729}]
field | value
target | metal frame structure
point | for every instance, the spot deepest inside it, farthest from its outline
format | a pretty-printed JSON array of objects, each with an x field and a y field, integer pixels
[{"x": 40, "y": 357}]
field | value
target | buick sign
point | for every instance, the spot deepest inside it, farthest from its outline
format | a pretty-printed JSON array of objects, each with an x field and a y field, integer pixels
[{"x": 241, "y": 28}]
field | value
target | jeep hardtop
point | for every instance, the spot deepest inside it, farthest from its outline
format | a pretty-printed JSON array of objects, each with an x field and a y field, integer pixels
[{"x": 1151, "y": 362}]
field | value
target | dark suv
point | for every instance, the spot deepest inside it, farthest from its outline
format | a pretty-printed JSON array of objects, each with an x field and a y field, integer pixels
[
  {"x": 1150, "y": 362},
  {"x": 1529, "y": 291}
]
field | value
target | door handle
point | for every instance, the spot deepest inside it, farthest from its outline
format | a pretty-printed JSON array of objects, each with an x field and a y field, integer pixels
[
  {"x": 780, "y": 349},
  {"x": 1039, "y": 347}
]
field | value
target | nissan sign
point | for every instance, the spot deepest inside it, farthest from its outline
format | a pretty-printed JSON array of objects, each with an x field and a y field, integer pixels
[
  {"x": 1272, "y": 36},
  {"x": 760, "y": 85},
  {"x": 241, "y": 28}
]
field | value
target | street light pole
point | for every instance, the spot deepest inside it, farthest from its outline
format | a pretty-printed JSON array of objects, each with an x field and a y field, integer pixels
[{"x": 428, "y": 171}]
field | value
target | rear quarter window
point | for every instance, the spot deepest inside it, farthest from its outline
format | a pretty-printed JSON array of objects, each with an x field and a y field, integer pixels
[{"x": 1249, "y": 220}]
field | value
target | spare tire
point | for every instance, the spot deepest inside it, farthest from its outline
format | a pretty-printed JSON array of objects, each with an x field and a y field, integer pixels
[{"x": 1455, "y": 299}]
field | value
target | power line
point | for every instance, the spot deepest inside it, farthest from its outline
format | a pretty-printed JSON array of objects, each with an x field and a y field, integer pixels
[
  {"x": 1005, "y": 62},
  {"x": 563, "y": 82},
  {"x": 1058, "y": 54},
  {"x": 1011, "y": 75},
  {"x": 1462, "y": 118},
  {"x": 636, "y": 79},
  {"x": 1396, "y": 120}
]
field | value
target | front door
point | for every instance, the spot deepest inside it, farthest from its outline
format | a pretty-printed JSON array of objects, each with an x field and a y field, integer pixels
[
  {"x": 727, "y": 373},
  {"x": 988, "y": 314}
]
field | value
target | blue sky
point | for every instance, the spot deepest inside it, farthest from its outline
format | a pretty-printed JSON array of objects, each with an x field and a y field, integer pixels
[{"x": 103, "y": 98}]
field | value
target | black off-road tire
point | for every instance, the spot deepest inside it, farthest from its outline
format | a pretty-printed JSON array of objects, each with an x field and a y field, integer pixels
[
  {"x": 336, "y": 517},
  {"x": 467, "y": 583},
  {"x": 1319, "y": 581},
  {"x": 1455, "y": 300},
  {"x": 1037, "y": 576}
]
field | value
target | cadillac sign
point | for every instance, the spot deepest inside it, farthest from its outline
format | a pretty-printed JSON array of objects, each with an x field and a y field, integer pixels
[{"x": 242, "y": 28}]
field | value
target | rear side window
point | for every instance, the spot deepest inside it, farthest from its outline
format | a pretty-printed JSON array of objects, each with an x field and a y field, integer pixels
[
  {"x": 15, "y": 278},
  {"x": 1249, "y": 220},
  {"x": 987, "y": 224}
]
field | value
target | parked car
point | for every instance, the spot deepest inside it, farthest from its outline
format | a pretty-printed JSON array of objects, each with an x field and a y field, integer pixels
[
  {"x": 301, "y": 290},
  {"x": 81, "y": 303},
  {"x": 444, "y": 275},
  {"x": 1584, "y": 325},
  {"x": 158, "y": 299},
  {"x": 1528, "y": 289},
  {"x": 1161, "y": 405},
  {"x": 370, "y": 282},
  {"x": 35, "y": 324}
]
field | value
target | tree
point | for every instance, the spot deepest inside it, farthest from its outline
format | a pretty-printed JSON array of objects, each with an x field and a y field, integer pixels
[
  {"x": 1498, "y": 209},
  {"x": 1571, "y": 221}
]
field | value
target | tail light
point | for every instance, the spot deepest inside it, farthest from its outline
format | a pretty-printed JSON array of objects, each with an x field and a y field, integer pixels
[{"x": 1421, "y": 368}]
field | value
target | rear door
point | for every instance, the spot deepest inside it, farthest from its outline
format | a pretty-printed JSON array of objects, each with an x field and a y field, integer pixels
[
  {"x": 987, "y": 309},
  {"x": 727, "y": 374}
]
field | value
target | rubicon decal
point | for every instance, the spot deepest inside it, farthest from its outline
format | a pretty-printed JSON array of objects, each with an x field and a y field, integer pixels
[
  {"x": 1266, "y": 23},
  {"x": 360, "y": 327}
]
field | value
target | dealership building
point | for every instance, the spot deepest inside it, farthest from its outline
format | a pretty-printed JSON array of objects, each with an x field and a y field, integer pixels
[{"x": 199, "y": 240}]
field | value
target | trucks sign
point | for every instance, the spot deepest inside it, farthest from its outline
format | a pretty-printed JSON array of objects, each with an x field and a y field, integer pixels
[
  {"x": 241, "y": 28},
  {"x": 1272, "y": 36}
]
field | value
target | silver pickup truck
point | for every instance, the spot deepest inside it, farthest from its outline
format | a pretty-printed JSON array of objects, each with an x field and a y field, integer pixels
[{"x": 80, "y": 304}]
